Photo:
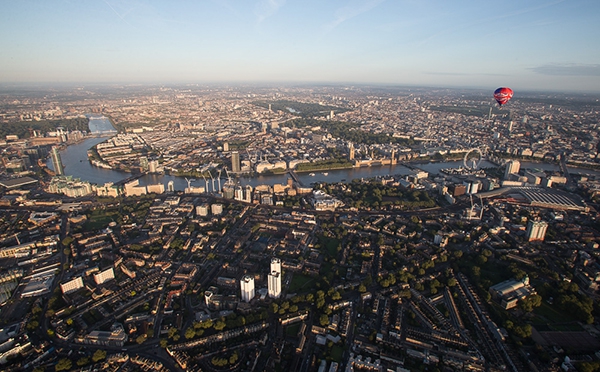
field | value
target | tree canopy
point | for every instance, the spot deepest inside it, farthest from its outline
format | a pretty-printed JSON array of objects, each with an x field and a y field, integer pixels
[
  {"x": 348, "y": 131},
  {"x": 24, "y": 129}
]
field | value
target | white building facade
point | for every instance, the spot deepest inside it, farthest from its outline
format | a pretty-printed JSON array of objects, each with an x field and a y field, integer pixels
[
  {"x": 274, "y": 278},
  {"x": 247, "y": 288},
  {"x": 536, "y": 230},
  {"x": 72, "y": 285},
  {"x": 104, "y": 276}
]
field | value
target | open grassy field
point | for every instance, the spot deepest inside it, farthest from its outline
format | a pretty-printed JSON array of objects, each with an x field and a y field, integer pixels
[
  {"x": 554, "y": 318},
  {"x": 100, "y": 219},
  {"x": 302, "y": 284},
  {"x": 337, "y": 353}
]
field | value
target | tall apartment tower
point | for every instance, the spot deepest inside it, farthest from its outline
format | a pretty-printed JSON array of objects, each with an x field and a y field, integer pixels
[
  {"x": 153, "y": 166},
  {"x": 202, "y": 210},
  {"x": 144, "y": 164},
  {"x": 247, "y": 288},
  {"x": 536, "y": 230},
  {"x": 276, "y": 264},
  {"x": 57, "y": 162},
  {"x": 274, "y": 283},
  {"x": 248, "y": 194},
  {"x": 216, "y": 209},
  {"x": 235, "y": 162},
  {"x": 512, "y": 166}
]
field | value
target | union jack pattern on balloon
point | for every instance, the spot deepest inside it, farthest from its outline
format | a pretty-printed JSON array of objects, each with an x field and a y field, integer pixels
[{"x": 502, "y": 95}]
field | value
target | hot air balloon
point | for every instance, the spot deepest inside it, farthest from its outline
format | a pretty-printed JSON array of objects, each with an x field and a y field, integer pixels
[{"x": 502, "y": 95}]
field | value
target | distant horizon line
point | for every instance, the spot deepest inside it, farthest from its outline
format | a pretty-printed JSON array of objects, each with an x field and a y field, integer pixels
[{"x": 270, "y": 84}]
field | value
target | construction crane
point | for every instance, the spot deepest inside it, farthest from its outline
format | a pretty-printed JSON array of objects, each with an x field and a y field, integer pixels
[
  {"x": 471, "y": 213},
  {"x": 205, "y": 184},
  {"x": 219, "y": 180},
  {"x": 253, "y": 158},
  {"x": 189, "y": 182},
  {"x": 213, "y": 180},
  {"x": 229, "y": 181}
]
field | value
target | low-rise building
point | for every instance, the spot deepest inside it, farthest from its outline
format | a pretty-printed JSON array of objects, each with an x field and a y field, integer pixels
[{"x": 509, "y": 292}]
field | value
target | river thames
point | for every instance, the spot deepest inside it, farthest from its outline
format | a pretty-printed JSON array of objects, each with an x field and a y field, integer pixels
[{"x": 76, "y": 164}]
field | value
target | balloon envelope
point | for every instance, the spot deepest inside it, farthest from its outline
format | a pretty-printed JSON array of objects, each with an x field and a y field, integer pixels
[{"x": 502, "y": 95}]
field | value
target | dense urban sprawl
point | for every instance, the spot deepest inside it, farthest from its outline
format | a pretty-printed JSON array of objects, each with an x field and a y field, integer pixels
[{"x": 470, "y": 269}]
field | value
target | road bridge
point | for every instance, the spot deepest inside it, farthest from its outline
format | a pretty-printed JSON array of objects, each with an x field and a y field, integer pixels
[{"x": 129, "y": 179}]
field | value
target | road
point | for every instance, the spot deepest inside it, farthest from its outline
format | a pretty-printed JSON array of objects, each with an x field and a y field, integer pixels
[{"x": 150, "y": 349}]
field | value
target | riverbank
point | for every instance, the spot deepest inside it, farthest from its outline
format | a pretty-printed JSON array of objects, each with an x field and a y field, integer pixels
[
  {"x": 324, "y": 169},
  {"x": 76, "y": 163}
]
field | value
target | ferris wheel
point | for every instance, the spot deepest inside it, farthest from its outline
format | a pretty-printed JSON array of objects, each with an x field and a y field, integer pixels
[{"x": 472, "y": 159}]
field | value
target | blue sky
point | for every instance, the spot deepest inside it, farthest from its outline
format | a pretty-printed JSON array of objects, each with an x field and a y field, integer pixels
[{"x": 527, "y": 45}]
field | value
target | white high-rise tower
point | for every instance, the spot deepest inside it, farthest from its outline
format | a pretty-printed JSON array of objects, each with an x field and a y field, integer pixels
[
  {"x": 247, "y": 288},
  {"x": 276, "y": 264},
  {"x": 274, "y": 283}
]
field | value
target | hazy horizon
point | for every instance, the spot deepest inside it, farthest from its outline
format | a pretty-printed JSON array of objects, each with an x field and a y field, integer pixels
[
  {"x": 534, "y": 46},
  {"x": 4, "y": 87}
]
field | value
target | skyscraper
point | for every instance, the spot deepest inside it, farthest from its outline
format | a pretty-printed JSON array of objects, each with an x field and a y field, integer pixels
[
  {"x": 247, "y": 288},
  {"x": 235, "y": 162},
  {"x": 248, "y": 194},
  {"x": 144, "y": 165},
  {"x": 274, "y": 283},
  {"x": 153, "y": 166},
  {"x": 239, "y": 193},
  {"x": 276, "y": 264},
  {"x": 57, "y": 162},
  {"x": 512, "y": 166}
]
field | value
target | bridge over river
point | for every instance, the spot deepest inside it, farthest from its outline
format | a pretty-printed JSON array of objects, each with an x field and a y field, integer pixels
[
  {"x": 129, "y": 179},
  {"x": 295, "y": 178}
]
